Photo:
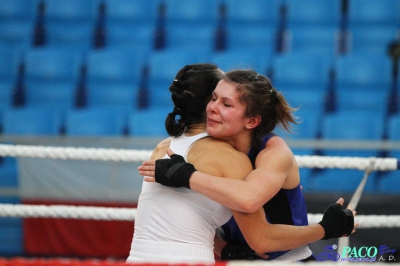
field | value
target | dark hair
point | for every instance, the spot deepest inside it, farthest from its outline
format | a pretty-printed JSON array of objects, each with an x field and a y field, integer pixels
[
  {"x": 261, "y": 98},
  {"x": 191, "y": 91}
]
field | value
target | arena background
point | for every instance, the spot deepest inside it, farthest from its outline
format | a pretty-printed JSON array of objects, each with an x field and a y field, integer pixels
[{"x": 92, "y": 73}]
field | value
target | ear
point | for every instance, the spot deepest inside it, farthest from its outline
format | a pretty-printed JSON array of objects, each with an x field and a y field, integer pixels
[{"x": 253, "y": 122}]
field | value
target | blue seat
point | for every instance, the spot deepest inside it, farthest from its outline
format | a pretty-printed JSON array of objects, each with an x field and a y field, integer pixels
[
  {"x": 11, "y": 233},
  {"x": 78, "y": 37},
  {"x": 113, "y": 77},
  {"x": 71, "y": 12},
  {"x": 9, "y": 64},
  {"x": 388, "y": 180},
  {"x": 257, "y": 59},
  {"x": 131, "y": 22},
  {"x": 149, "y": 122},
  {"x": 353, "y": 125},
  {"x": 131, "y": 12},
  {"x": 18, "y": 34},
  {"x": 372, "y": 39},
  {"x": 364, "y": 71},
  {"x": 197, "y": 37},
  {"x": 95, "y": 122},
  {"x": 394, "y": 128},
  {"x": 18, "y": 10},
  {"x": 359, "y": 99},
  {"x": 32, "y": 121},
  {"x": 313, "y": 39},
  {"x": 70, "y": 23},
  {"x": 309, "y": 124},
  {"x": 119, "y": 95},
  {"x": 131, "y": 36},
  {"x": 8, "y": 173},
  {"x": 239, "y": 37},
  {"x": 51, "y": 94},
  {"x": 313, "y": 12},
  {"x": 163, "y": 66},
  {"x": 301, "y": 71},
  {"x": 363, "y": 81},
  {"x": 252, "y": 12},
  {"x": 114, "y": 65},
  {"x": 192, "y": 13},
  {"x": 308, "y": 127},
  {"x": 393, "y": 134},
  {"x": 51, "y": 77},
  {"x": 349, "y": 126},
  {"x": 6, "y": 92},
  {"x": 379, "y": 13},
  {"x": 306, "y": 99}
]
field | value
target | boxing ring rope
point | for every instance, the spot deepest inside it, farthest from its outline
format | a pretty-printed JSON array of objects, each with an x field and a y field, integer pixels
[
  {"x": 367, "y": 165},
  {"x": 132, "y": 155},
  {"x": 128, "y": 214}
]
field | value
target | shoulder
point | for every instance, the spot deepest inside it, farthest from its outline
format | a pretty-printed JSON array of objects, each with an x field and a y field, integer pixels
[
  {"x": 219, "y": 158},
  {"x": 277, "y": 149},
  {"x": 215, "y": 148},
  {"x": 161, "y": 149},
  {"x": 277, "y": 142}
]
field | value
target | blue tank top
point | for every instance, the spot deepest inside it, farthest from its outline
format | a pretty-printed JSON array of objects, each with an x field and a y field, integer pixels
[{"x": 288, "y": 206}]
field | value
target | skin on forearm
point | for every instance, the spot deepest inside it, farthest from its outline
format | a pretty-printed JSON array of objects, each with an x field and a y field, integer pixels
[
  {"x": 260, "y": 185},
  {"x": 221, "y": 190},
  {"x": 265, "y": 237},
  {"x": 290, "y": 237}
]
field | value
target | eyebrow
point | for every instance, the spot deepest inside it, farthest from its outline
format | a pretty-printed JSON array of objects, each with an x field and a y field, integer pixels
[{"x": 225, "y": 98}]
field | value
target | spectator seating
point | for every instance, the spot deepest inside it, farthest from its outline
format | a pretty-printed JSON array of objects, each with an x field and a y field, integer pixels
[
  {"x": 113, "y": 77},
  {"x": 95, "y": 122},
  {"x": 163, "y": 66},
  {"x": 51, "y": 77}
]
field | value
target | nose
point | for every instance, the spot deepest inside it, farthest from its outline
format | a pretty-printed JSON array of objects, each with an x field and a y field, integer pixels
[{"x": 211, "y": 107}]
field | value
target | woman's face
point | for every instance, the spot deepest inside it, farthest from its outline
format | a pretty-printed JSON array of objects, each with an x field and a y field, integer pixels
[{"x": 225, "y": 113}]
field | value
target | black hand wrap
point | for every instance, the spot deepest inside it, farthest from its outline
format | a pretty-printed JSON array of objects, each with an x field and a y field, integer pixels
[
  {"x": 337, "y": 222},
  {"x": 235, "y": 252},
  {"x": 174, "y": 172}
]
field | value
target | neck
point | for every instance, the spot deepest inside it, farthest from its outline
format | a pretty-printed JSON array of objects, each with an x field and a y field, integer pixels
[
  {"x": 241, "y": 143},
  {"x": 195, "y": 129}
]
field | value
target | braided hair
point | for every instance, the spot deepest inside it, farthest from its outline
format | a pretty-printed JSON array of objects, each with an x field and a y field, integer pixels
[{"x": 190, "y": 92}]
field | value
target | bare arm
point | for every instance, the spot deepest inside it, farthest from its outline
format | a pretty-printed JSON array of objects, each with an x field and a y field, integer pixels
[
  {"x": 161, "y": 148},
  {"x": 259, "y": 187},
  {"x": 259, "y": 234},
  {"x": 262, "y": 236}
]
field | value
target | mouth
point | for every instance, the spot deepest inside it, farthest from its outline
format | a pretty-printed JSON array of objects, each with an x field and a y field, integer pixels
[{"x": 212, "y": 121}]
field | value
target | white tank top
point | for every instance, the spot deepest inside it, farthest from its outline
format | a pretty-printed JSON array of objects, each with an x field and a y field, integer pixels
[{"x": 176, "y": 225}]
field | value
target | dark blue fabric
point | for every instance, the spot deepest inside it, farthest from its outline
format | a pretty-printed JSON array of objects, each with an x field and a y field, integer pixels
[{"x": 287, "y": 207}]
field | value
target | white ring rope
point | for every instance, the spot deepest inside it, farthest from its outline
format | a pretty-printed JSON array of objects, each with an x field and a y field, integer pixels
[
  {"x": 128, "y": 214},
  {"x": 67, "y": 212},
  {"x": 125, "y": 155},
  {"x": 72, "y": 153}
]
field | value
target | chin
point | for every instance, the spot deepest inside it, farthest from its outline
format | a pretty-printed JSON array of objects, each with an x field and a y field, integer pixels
[{"x": 211, "y": 132}]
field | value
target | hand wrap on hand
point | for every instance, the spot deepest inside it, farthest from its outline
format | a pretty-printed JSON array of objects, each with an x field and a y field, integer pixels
[
  {"x": 337, "y": 222},
  {"x": 235, "y": 252},
  {"x": 174, "y": 172}
]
